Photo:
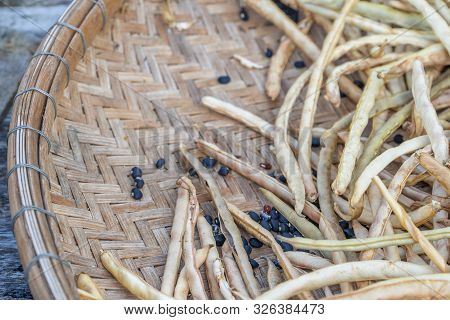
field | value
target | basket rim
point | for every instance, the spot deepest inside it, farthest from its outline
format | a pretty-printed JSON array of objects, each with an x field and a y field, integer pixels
[{"x": 28, "y": 150}]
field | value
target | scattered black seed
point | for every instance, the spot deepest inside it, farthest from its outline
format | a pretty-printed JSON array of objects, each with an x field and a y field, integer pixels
[
  {"x": 224, "y": 171},
  {"x": 209, "y": 162},
  {"x": 136, "y": 172},
  {"x": 286, "y": 246},
  {"x": 267, "y": 208},
  {"x": 254, "y": 216},
  {"x": 253, "y": 263},
  {"x": 286, "y": 234},
  {"x": 282, "y": 179},
  {"x": 220, "y": 239},
  {"x": 342, "y": 94},
  {"x": 299, "y": 64},
  {"x": 277, "y": 264},
  {"x": 243, "y": 14},
  {"x": 266, "y": 225},
  {"x": 255, "y": 243},
  {"x": 139, "y": 182},
  {"x": 265, "y": 165},
  {"x": 136, "y": 194},
  {"x": 274, "y": 213},
  {"x": 359, "y": 83},
  {"x": 192, "y": 172},
  {"x": 291, "y": 13},
  {"x": 278, "y": 241},
  {"x": 296, "y": 233},
  {"x": 275, "y": 225},
  {"x": 349, "y": 233},
  {"x": 344, "y": 224},
  {"x": 248, "y": 249},
  {"x": 315, "y": 142},
  {"x": 268, "y": 53},
  {"x": 217, "y": 221},
  {"x": 398, "y": 138},
  {"x": 244, "y": 241},
  {"x": 215, "y": 228},
  {"x": 160, "y": 163},
  {"x": 223, "y": 79},
  {"x": 284, "y": 227},
  {"x": 209, "y": 219},
  {"x": 283, "y": 219}
]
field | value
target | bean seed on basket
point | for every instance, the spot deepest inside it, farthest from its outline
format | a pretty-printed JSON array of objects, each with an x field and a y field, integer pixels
[
  {"x": 283, "y": 219},
  {"x": 223, "y": 79},
  {"x": 139, "y": 182},
  {"x": 274, "y": 213},
  {"x": 282, "y": 179},
  {"x": 253, "y": 263},
  {"x": 244, "y": 241},
  {"x": 315, "y": 143},
  {"x": 223, "y": 171},
  {"x": 398, "y": 138},
  {"x": 243, "y": 14},
  {"x": 286, "y": 246},
  {"x": 136, "y": 172},
  {"x": 220, "y": 239},
  {"x": 299, "y": 64},
  {"x": 136, "y": 194},
  {"x": 255, "y": 243},
  {"x": 160, "y": 163},
  {"x": 275, "y": 225},
  {"x": 248, "y": 249},
  {"x": 209, "y": 219},
  {"x": 209, "y": 162},
  {"x": 217, "y": 221},
  {"x": 284, "y": 227},
  {"x": 268, "y": 53},
  {"x": 254, "y": 216},
  {"x": 266, "y": 225},
  {"x": 215, "y": 228}
]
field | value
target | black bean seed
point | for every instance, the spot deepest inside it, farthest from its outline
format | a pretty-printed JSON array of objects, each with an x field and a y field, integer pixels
[
  {"x": 349, "y": 233},
  {"x": 136, "y": 194},
  {"x": 344, "y": 224},
  {"x": 139, "y": 182},
  {"x": 342, "y": 94},
  {"x": 398, "y": 138},
  {"x": 220, "y": 239},
  {"x": 244, "y": 241},
  {"x": 274, "y": 213},
  {"x": 136, "y": 172},
  {"x": 209, "y": 162},
  {"x": 284, "y": 227},
  {"x": 265, "y": 216},
  {"x": 268, "y": 53},
  {"x": 223, "y": 171},
  {"x": 282, "y": 179},
  {"x": 286, "y": 234},
  {"x": 160, "y": 163},
  {"x": 192, "y": 172},
  {"x": 286, "y": 246},
  {"x": 248, "y": 249},
  {"x": 209, "y": 219},
  {"x": 217, "y": 221},
  {"x": 299, "y": 64},
  {"x": 266, "y": 225},
  {"x": 275, "y": 225},
  {"x": 296, "y": 233},
  {"x": 254, "y": 216},
  {"x": 315, "y": 142},
  {"x": 283, "y": 219},
  {"x": 224, "y": 79},
  {"x": 292, "y": 228},
  {"x": 253, "y": 263},
  {"x": 255, "y": 243},
  {"x": 277, "y": 264},
  {"x": 359, "y": 83},
  {"x": 243, "y": 14},
  {"x": 215, "y": 228}
]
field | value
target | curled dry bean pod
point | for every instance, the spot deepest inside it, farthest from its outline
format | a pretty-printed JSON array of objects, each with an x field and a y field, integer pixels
[
  {"x": 219, "y": 273},
  {"x": 423, "y": 287},
  {"x": 350, "y": 271},
  {"x": 436, "y": 169},
  {"x": 129, "y": 280},
  {"x": 182, "y": 287},
  {"x": 307, "y": 261},
  {"x": 86, "y": 283},
  {"x": 233, "y": 274}
]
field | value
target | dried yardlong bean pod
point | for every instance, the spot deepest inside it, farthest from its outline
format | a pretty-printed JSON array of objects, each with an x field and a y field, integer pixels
[
  {"x": 233, "y": 273},
  {"x": 207, "y": 240},
  {"x": 378, "y": 12},
  {"x": 312, "y": 96},
  {"x": 129, "y": 280},
  {"x": 442, "y": 8},
  {"x": 175, "y": 246},
  {"x": 257, "y": 176},
  {"x": 182, "y": 287},
  {"x": 280, "y": 60},
  {"x": 219, "y": 273},
  {"x": 307, "y": 228},
  {"x": 86, "y": 283},
  {"x": 424, "y": 287},
  {"x": 434, "y": 19},
  {"x": 274, "y": 276},
  {"x": 434, "y": 130},
  {"x": 307, "y": 261},
  {"x": 272, "y": 13},
  {"x": 297, "y": 180},
  {"x": 435, "y": 168},
  {"x": 228, "y": 225},
  {"x": 84, "y": 295},
  {"x": 192, "y": 274},
  {"x": 333, "y": 94},
  {"x": 350, "y": 271},
  {"x": 398, "y": 239},
  {"x": 416, "y": 234},
  {"x": 381, "y": 220},
  {"x": 267, "y": 238},
  {"x": 420, "y": 215}
]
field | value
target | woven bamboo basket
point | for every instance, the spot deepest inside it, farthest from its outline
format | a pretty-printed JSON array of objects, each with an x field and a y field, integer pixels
[{"x": 112, "y": 87}]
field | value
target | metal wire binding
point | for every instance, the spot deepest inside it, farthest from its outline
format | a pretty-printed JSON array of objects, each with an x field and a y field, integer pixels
[
  {"x": 22, "y": 211},
  {"x": 77, "y": 30},
  {"x": 39, "y": 132},
  {"x": 102, "y": 7},
  {"x": 45, "y": 93},
  {"x": 28, "y": 166},
  {"x": 36, "y": 259},
  {"x": 60, "y": 58}
]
